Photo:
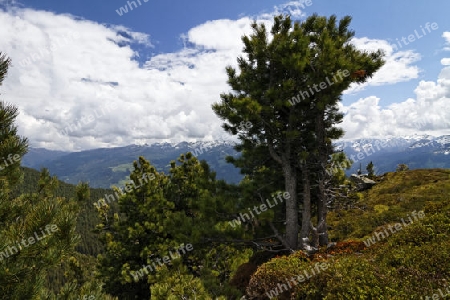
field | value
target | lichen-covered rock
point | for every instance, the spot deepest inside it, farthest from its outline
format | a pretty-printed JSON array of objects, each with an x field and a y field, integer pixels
[{"x": 362, "y": 182}]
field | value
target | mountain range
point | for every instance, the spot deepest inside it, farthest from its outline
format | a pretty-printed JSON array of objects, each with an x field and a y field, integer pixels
[
  {"x": 418, "y": 152},
  {"x": 105, "y": 167}
]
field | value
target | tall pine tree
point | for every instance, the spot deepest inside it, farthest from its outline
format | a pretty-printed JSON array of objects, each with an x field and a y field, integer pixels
[{"x": 288, "y": 88}]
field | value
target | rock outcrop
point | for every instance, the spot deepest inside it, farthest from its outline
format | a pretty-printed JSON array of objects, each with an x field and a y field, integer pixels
[{"x": 362, "y": 182}]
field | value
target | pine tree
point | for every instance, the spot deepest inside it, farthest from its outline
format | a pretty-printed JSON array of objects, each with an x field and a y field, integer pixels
[
  {"x": 12, "y": 146},
  {"x": 293, "y": 122},
  {"x": 370, "y": 170},
  {"x": 37, "y": 232},
  {"x": 157, "y": 215}
]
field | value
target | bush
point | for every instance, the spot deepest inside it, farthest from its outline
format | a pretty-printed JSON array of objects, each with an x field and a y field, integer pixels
[{"x": 402, "y": 167}]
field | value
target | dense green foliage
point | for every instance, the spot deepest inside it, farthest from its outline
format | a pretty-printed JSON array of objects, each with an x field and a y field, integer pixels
[
  {"x": 87, "y": 219},
  {"x": 160, "y": 214},
  {"x": 72, "y": 276}
]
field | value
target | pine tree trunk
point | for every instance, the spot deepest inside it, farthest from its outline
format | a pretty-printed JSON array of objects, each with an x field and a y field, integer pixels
[
  {"x": 290, "y": 175},
  {"x": 306, "y": 213},
  {"x": 322, "y": 214}
]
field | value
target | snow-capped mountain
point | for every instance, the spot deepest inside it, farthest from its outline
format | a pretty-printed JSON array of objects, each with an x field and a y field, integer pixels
[
  {"x": 104, "y": 167},
  {"x": 418, "y": 151}
]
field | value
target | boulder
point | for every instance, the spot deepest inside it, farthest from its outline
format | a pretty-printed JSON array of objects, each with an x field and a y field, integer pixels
[{"x": 362, "y": 182}]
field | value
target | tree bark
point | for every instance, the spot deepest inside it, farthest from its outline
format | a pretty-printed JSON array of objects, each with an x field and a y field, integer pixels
[
  {"x": 306, "y": 212},
  {"x": 290, "y": 183},
  {"x": 290, "y": 179},
  {"x": 322, "y": 214}
]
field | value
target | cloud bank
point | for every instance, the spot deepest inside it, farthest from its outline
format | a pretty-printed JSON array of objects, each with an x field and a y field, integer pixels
[{"x": 78, "y": 84}]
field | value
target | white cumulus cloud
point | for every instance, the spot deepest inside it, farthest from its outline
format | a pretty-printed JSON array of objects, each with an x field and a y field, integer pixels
[{"x": 78, "y": 84}]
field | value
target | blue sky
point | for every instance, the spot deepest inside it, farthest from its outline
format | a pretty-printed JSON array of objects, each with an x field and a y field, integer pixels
[{"x": 151, "y": 65}]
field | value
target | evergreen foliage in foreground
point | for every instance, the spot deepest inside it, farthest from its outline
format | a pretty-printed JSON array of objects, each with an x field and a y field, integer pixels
[{"x": 156, "y": 218}]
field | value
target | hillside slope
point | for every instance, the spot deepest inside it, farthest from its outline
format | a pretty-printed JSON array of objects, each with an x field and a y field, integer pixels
[
  {"x": 392, "y": 243},
  {"x": 396, "y": 195}
]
